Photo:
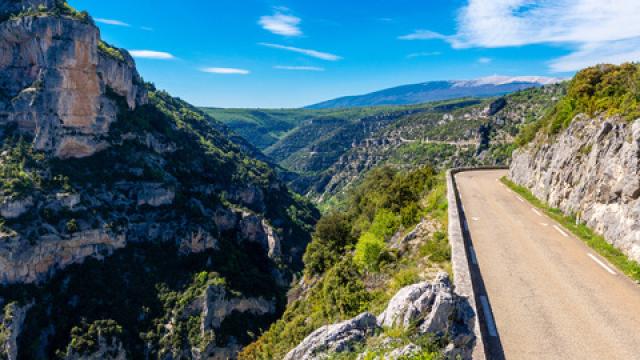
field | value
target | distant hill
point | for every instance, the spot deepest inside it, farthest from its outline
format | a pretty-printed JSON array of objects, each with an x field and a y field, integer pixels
[{"x": 439, "y": 90}]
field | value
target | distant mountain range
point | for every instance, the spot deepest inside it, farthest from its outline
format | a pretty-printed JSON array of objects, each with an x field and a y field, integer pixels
[{"x": 439, "y": 90}]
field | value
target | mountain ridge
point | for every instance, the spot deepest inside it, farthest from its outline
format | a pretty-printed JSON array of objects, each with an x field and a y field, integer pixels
[{"x": 438, "y": 90}]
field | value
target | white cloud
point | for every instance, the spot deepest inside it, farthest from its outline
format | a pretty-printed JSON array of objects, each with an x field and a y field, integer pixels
[
  {"x": 424, "y": 54},
  {"x": 151, "y": 54},
  {"x": 298, "y": 68},
  {"x": 281, "y": 24},
  {"x": 225, "y": 71},
  {"x": 423, "y": 35},
  {"x": 112, "y": 22},
  {"x": 308, "y": 52},
  {"x": 484, "y": 60},
  {"x": 588, "y": 27}
]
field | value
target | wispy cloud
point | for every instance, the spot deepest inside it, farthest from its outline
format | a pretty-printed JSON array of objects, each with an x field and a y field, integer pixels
[
  {"x": 225, "y": 71},
  {"x": 424, "y": 54},
  {"x": 313, "y": 53},
  {"x": 484, "y": 60},
  {"x": 111, "y": 22},
  {"x": 423, "y": 35},
  {"x": 595, "y": 31},
  {"x": 151, "y": 54},
  {"x": 298, "y": 68},
  {"x": 281, "y": 24}
]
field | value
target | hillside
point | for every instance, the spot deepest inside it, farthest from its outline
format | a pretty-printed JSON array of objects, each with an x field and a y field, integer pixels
[
  {"x": 334, "y": 148},
  {"x": 438, "y": 91},
  {"x": 377, "y": 255},
  {"x": 133, "y": 224}
]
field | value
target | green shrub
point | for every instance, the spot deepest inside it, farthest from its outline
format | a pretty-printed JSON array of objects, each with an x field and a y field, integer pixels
[
  {"x": 368, "y": 251},
  {"x": 385, "y": 224},
  {"x": 437, "y": 249}
]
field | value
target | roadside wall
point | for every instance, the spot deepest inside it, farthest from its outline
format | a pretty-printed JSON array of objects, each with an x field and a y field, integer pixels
[{"x": 463, "y": 279}]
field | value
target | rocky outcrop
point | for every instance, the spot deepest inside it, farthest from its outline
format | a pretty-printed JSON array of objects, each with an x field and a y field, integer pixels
[
  {"x": 13, "y": 208},
  {"x": 11, "y": 321},
  {"x": 55, "y": 84},
  {"x": 154, "y": 194},
  {"x": 413, "y": 302},
  {"x": 336, "y": 338},
  {"x": 107, "y": 349},
  {"x": 23, "y": 262},
  {"x": 592, "y": 170},
  {"x": 433, "y": 308},
  {"x": 217, "y": 306}
]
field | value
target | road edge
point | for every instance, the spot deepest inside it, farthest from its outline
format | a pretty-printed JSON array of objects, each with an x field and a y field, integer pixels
[{"x": 462, "y": 277}]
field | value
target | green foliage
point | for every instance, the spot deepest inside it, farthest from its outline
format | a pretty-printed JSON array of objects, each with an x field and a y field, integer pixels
[
  {"x": 19, "y": 168},
  {"x": 368, "y": 251},
  {"x": 110, "y": 51},
  {"x": 72, "y": 226},
  {"x": 437, "y": 249},
  {"x": 386, "y": 223},
  {"x": 343, "y": 292},
  {"x": 85, "y": 337},
  {"x": 602, "y": 89},
  {"x": 583, "y": 232},
  {"x": 331, "y": 238}
]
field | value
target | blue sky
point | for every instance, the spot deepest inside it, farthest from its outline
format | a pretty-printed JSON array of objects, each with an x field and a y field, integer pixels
[{"x": 265, "y": 53}]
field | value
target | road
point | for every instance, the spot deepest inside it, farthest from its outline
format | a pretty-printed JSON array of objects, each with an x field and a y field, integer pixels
[{"x": 551, "y": 296}]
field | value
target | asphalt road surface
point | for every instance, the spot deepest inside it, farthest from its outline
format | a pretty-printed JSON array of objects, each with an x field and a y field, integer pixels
[{"x": 551, "y": 296}]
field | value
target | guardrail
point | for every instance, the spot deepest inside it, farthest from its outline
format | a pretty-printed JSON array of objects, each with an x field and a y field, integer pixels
[{"x": 463, "y": 278}]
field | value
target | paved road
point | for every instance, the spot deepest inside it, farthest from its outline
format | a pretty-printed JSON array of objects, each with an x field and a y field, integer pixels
[{"x": 551, "y": 296}]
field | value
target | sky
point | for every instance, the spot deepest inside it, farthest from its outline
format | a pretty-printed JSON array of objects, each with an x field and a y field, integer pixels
[{"x": 282, "y": 54}]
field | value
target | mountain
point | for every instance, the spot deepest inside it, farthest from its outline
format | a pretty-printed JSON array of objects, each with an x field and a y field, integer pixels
[
  {"x": 133, "y": 225},
  {"x": 439, "y": 90}
]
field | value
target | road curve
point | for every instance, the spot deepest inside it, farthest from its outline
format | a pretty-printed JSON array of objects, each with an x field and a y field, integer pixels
[{"x": 551, "y": 296}]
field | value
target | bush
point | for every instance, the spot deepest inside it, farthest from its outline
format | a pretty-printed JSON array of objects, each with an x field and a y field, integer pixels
[
  {"x": 385, "y": 224},
  {"x": 368, "y": 251},
  {"x": 332, "y": 237},
  {"x": 437, "y": 249}
]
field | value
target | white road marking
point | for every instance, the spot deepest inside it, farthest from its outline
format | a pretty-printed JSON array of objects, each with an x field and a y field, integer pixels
[
  {"x": 601, "y": 263},
  {"x": 519, "y": 199},
  {"x": 475, "y": 219},
  {"x": 474, "y": 259},
  {"x": 544, "y": 224},
  {"x": 491, "y": 326},
  {"x": 536, "y": 211},
  {"x": 560, "y": 231}
]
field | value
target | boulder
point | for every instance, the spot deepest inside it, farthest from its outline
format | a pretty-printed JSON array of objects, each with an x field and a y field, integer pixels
[
  {"x": 336, "y": 338},
  {"x": 420, "y": 301}
]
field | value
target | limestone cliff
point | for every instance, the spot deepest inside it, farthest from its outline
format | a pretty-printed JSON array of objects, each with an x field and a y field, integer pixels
[
  {"x": 592, "y": 170},
  {"x": 54, "y": 78}
]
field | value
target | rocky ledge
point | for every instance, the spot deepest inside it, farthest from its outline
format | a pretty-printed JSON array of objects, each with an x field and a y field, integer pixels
[
  {"x": 433, "y": 308},
  {"x": 591, "y": 170}
]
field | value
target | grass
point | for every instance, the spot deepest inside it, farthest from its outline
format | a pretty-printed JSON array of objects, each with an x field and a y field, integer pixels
[{"x": 595, "y": 241}]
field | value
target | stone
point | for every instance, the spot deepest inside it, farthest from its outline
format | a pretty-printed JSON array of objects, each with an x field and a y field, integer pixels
[
  {"x": 603, "y": 188},
  {"x": 154, "y": 194},
  {"x": 12, "y": 208},
  {"x": 334, "y": 338},
  {"x": 415, "y": 302}
]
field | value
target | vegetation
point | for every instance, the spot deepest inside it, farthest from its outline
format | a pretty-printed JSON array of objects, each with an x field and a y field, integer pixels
[
  {"x": 583, "y": 232},
  {"x": 110, "y": 51},
  {"x": 349, "y": 265},
  {"x": 608, "y": 90}
]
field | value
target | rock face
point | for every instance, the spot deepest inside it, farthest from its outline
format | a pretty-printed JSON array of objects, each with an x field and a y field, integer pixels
[
  {"x": 11, "y": 321},
  {"x": 592, "y": 169},
  {"x": 22, "y": 262},
  {"x": 56, "y": 85},
  {"x": 336, "y": 338}
]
